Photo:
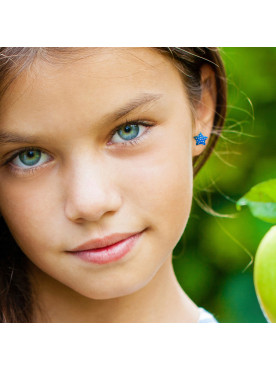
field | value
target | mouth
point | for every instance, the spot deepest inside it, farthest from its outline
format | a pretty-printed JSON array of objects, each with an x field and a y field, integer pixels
[{"x": 108, "y": 249}]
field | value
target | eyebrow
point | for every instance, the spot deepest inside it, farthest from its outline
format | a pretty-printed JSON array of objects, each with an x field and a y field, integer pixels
[
  {"x": 133, "y": 104},
  {"x": 9, "y": 137},
  {"x": 144, "y": 99}
]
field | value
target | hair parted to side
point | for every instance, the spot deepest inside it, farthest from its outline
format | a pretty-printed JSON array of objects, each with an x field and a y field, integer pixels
[{"x": 17, "y": 299}]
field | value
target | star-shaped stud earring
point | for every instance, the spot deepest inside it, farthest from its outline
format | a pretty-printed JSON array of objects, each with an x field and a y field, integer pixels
[{"x": 200, "y": 139}]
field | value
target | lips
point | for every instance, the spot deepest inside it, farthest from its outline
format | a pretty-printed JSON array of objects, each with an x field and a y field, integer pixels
[
  {"x": 103, "y": 242},
  {"x": 106, "y": 250}
]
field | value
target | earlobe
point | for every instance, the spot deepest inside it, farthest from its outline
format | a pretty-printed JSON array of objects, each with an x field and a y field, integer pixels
[
  {"x": 205, "y": 110},
  {"x": 200, "y": 139}
]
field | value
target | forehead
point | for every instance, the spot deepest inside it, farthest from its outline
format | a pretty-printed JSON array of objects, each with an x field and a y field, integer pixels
[
  {"x": 96, "y": 76},
  {"x": 104, "y": 62}
]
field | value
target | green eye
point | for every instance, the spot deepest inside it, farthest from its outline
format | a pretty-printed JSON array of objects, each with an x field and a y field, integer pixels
[
  {"x": 30, "y": 157},
  {"x": 128, "y": 132}
]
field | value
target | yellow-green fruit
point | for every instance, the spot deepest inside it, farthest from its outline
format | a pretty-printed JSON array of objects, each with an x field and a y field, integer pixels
[{"x": 265, "y": 274}]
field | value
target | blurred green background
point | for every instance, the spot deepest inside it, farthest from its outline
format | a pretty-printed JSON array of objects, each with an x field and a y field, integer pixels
[{"x": 212, "y": 259}]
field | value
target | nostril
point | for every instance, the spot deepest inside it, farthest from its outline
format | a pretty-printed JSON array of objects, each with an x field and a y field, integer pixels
[
  {"x": 90, "y": 190},
  {"x": 80, "y": 209}
]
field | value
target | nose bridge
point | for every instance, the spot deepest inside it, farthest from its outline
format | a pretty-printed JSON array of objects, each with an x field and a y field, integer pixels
[{"x": 90, "y": 189}]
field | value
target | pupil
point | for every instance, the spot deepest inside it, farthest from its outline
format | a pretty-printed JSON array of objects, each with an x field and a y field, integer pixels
[
  {"x": 30, "y": 154},
  {"x": 127, "y": 128}
]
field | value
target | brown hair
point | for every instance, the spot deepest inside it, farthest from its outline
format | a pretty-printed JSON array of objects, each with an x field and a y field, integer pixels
[{"x": 16, "y": 296}]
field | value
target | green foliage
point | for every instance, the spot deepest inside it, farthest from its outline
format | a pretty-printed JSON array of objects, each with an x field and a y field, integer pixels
[
  {"x": 261, "y": 199},
  {"x": 214, "y": 257}
]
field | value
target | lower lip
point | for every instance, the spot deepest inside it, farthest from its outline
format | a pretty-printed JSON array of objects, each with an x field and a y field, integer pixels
[{"x": 111, "y": 253}]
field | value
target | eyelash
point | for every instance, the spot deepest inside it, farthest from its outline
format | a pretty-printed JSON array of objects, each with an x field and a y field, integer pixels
[
  {"x": 24, "y": 171},
  {"x": 136, "y": 140},
  {"x": 32, "y": 170}
]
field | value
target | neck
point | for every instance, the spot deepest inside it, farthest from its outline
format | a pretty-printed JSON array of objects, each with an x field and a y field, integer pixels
[{"x": 161, "y": 300}]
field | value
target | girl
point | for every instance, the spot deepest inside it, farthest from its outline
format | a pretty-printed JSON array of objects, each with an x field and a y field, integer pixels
[{"x": 98, "y": 151}]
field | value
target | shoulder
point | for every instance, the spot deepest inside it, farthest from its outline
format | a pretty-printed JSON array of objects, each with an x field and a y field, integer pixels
[{"x": 206, "y": 317}]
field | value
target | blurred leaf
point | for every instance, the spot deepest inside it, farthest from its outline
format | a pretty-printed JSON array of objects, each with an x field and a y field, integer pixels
[
  {"x": 261, "y": 199},
  {"x": 213, "y": 261},
  {"x": 235, "y": 304}
]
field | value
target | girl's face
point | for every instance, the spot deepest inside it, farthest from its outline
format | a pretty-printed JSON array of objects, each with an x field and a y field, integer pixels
[{"x": 93, "y": 147}]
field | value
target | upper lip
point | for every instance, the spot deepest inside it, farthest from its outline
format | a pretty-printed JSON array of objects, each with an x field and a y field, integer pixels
[{"x": 103, "y": 242}]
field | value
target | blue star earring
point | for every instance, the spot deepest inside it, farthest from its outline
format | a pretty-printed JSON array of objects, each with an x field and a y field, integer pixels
[{"x": 200, "y": 139}]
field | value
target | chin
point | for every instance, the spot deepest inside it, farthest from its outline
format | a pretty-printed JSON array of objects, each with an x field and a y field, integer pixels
[{"x": 114, "y": 290}]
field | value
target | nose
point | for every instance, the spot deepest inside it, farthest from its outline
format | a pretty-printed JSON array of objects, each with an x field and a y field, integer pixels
[{"x": 90, "y": 192}]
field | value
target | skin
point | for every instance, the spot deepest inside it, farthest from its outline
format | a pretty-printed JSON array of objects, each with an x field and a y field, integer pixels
[{"x": 91, "y": 188}]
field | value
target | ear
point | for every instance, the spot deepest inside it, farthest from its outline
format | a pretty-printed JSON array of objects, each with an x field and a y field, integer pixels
[{"x": 205, "y": 108}]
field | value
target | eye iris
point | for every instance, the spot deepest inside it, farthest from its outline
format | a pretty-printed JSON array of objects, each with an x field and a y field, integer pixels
[
  {"x": 30, "y": 157},
  {"x": 128, "y": 132}
]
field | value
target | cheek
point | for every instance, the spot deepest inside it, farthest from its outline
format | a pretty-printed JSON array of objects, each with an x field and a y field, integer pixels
[
  {"x": 158, "y": 184},
  {"x": 26, "y": 212}
]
